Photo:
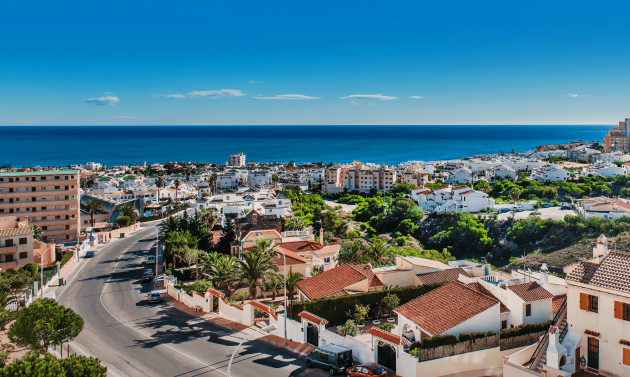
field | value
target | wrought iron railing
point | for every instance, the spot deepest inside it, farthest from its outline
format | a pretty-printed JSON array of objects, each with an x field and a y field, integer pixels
[
  {"x": 563, "y": 333},
  {"x": 539, "y": 349}
]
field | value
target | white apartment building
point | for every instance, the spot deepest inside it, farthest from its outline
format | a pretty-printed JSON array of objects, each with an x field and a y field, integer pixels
[
  {"x": 259, "y": 177},
  {"x": 461, "y": 175},
  {"x": 612, "y": 157},
  {"x": 604, "y": 169},
  {"x": 236, "y": 160},
  {"x": 523, "y": 164},
  {"x": 550, "y": 173},
  {"x": 451, "y": 199},
  {"x": 501, "y": 172},
  {"x": 480, "y": 167}
]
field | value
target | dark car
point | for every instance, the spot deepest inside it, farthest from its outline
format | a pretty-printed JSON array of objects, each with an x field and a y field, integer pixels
[
  {"x": 148, "y": 276},
  {"x": 89, "y": 254},
  {"x": 503, "y": 210},
  {"x": 333, "y": 358},
  {"x": 367, "y": 369}
]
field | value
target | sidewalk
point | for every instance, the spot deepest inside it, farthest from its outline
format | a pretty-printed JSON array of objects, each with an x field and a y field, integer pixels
[{"x": 300, "y": 348}]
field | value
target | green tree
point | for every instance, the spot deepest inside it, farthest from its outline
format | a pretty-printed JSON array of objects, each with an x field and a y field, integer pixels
[
  {"x": 256, "y": 267},
  {"x": 177, "y": 185},
  {"x": 227, "y": 236},
  {"x": 379, "y": 253},
  {"x": 390, "y": 302},
  {"x": 37, "y": 232},
  {"x": 128, "y": 211},
  {"x": 92, "y": 207},
  {"x": 32, "y": 268},
  {"x": 159, "y": 183},
  {"x": 44, "y": 323},
  {"x": 123, "y": 221},
  {"x": 223, "y": 272},
  {"x": 482, "y": 185},
  {"x": 292, "y": 279},
  {"x": 407, "y": 227},
  {"x": 354, "y": 253},
  {"x": 515, "y": 193},
  {"x": 75, "y": 366}
]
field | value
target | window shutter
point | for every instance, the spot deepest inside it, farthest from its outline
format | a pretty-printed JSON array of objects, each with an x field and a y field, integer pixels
[
  {"x": 583, "y": 301},
  {"x": 619, "y": 312},
  {"x": 626, "y": 356}
]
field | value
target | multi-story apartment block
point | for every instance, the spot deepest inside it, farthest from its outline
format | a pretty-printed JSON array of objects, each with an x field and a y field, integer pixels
[
  {"x": 18, "y": 247},
  {"x": 50, "y": 200},
  {"x": 236, "y": 159},
  {"x": 362, "y": 178},
  {"x": 333, "y": 178},
  {"x": 618, "y": 139},
  {"x": 415, "y": 175}
]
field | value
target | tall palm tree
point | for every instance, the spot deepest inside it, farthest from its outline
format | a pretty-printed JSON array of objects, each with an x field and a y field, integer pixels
[
  {"x": 378, "y": 253},
  {"x": 274, "y": 284},
  {"x": 292, "y": 279},
  {"x": 222, "y": 271},
  {"x": 159, "y": 183},
  {"x": 177, "y": 184},
  {"x": 355, "y": 253},
  {"x": 256, "y": 267},
  {"x": 92, "y": 206}
]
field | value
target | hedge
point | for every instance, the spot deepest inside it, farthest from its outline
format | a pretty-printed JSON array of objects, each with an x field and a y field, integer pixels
[
  {"x": 525, "y": 329},
  {"x": 465, "y": 336},
  {"x": 334, "y": 309},
  {"x": 439, "y": 340},
  {"x": 66, "y": 257}
]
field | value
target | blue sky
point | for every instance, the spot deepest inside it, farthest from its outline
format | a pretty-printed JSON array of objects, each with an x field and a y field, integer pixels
[{"x": 314, "y": 62}]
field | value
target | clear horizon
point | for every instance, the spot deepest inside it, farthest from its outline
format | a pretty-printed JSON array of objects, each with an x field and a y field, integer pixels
[{"x": 350, "y": 63}]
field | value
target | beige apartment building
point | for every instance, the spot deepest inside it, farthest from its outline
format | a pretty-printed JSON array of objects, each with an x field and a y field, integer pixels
[
  {"x": 362, "y": 178},
  {"x": 618, "y": 139},
  {"x": 415, "y": 175},
  {"x": 236, "y": 159},
  {"x": 49, "y": 199},
  {"x": 18, "y": 247}
]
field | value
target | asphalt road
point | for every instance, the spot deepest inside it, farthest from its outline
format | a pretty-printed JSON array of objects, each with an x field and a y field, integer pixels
[
  {"x": 135, "y": 338},
  {"x": 554, "y": 213}
]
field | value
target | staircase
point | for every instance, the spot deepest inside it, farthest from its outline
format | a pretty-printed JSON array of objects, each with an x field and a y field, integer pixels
[
  {"x": 541, "y": 350},
  {"x": 541, "y": 363}
]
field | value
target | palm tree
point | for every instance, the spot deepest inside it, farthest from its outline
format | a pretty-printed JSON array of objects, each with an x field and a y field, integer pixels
[
  {"x": 222, "y": 271},
  {"x": 177, "y": 184},
  {"x": 292, "y": 279},
  {"x": 159, "y": 183},
  {"x": 176, "y": 244},
  {"x": 378, "y": 253},
  {"x": 353, "y": 254},
  {"x": 127, "y": 210},
  {"x": 256, "y": 268},
  {"x": 274, "y": 284},
  {"x": 515, "y": 193},
  {"x": 92, "y": 206}
]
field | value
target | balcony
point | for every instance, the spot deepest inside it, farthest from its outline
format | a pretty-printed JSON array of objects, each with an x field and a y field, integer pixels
[
  {"x": 8, "y": 249},
  {"x": 6, "y": 266}
]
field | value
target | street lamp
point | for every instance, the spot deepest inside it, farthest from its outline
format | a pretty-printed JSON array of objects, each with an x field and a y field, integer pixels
[{"x": 266, "y": 329}]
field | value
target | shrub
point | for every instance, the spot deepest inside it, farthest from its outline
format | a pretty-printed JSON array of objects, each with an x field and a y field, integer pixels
[
  {"x": 465, "y": 336},
  {"x": 386, "y": 327},
  {"x": 123, "y": 221},
  {"x": 32, "y": 268},
  {"x": 349, "y": 328},
  {"x": 525, "y": 329},
  {"x": 352, "y": 234},
  {"x": 363, "y": 226},
  {"x": 439, "y": 340},
  {"x": 491, "y": 333},
  {"x": 168, "y": 272},
  {"x": 401, "y": 241},
  {"x": 66, "y": 257}
]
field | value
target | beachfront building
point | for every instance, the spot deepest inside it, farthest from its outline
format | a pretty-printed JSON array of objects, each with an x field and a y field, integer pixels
[
  {"x": 461, "y": 175},
  {"x": 364, "y": 178},
  {"x": 334, "y": 178},
  {"x": 550, "y": 173},
  {"x": 479, "y": 167},
  {"x": 236, "y": 160},
  {"x": 451, "y": 199},
  {"x": 49, "y": 199},
  {"x": 618, "y": 139}
]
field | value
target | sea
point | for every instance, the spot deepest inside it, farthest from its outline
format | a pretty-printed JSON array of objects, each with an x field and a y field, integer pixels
[{"x": 22, "y": 146}]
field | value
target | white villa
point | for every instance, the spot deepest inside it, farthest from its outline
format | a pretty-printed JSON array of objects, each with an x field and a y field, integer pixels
[
  {"x": 550, "y": 173},
  {"x": 451, "y": 199}
]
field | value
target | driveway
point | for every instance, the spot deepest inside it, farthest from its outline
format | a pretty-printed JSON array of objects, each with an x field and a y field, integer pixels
[{"x": 554, "y": 213}]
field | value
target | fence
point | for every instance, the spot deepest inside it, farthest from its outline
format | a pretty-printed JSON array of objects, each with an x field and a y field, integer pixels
[
  {"x": 459, "y": 348},
  {"x": 521, "y": 340}
]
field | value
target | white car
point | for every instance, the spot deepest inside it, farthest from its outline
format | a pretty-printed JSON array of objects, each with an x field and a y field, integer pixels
[
  {"x": 150, "y": 259},
  {"x": 155, "y": 297}
]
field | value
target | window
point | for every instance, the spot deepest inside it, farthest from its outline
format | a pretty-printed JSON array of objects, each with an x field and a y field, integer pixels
[
  {"x": 23, "y": 241},
  {"x": 57, "y": 177},
  {"x": 528, "y": 310},
  {"x": 8, "y": 243},
  {"x": 23, "y": 255},
  {"x": 589, "y": 303},
  {"x": 622, "y": 311},
  {"x": 57, "y": 187},
  {"x": 323, "y": 356},
  {"x": 44, "y": 228}
]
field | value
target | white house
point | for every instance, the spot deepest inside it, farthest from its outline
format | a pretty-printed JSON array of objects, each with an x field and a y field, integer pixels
[
  {"x": 501, "y": 172},
  {"x": 461, "y": 175},
  {"x": 447, "y": 198},
  {"x": 604, "y": 169},
  {"x": 550, "y": 173}
]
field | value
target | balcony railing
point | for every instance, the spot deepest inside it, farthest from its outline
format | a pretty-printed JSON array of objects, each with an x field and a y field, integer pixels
[
  {"x": 8, "y": 249},
  {"x": 8, "y": 265}
]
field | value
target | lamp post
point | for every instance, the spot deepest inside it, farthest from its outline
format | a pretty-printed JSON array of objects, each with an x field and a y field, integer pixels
[{"x": 266, "y": 329}]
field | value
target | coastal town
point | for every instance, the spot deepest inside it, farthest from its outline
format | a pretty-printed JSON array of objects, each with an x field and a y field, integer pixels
[{"x": 511, "y": 264}]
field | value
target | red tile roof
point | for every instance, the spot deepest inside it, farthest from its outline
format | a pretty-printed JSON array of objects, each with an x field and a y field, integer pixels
[
  {"x": 327, "y": 282},
  {"x": 557, "y": 302},
  {"x": 613, "y": 272},
  {"x": 529, "y": 292},
  {"x": 301, "y": 246},
  {"x": 445, "y": 307},
  {"x": 441, "y": 276},
  {"x": 481, "y": 289},
  {"x": 387, "y": 336},
  {"x": 15, "y": 232},
  {"x": 312, "y": 318}
]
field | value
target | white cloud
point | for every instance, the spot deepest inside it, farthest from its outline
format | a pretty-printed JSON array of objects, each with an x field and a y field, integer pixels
[
  {"x": 416, "y": 97},
  {"x": 354, "y": 102},
  {"x": 177, "y": 95},
  {"x": 217, "y": 93},
  {"x": 369, "y": 96},
  {"x": 124, "y": 117},
  {"x": 576, "y": 95},
  {"x": 289, "y": 96},
  {"x": 255, "y": 82},
  {"x": 103, "y": 101},
  {"x": 572, "y": 95}
]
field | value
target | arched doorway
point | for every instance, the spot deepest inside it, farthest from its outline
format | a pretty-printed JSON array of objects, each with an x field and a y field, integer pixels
[
  {"x": 312, "y": 335},
  {"x": 387, "y": 355}
]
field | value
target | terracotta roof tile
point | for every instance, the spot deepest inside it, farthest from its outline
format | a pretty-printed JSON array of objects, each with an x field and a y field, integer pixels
[
  {"x": 327, "y": 282},
  {"x": 312, "y": 318},
  {"x": 15, "y": 232},
  {"x": 441, "y": 276},
  {"x": 529, "y": 292},
  {"x": 613, "y": 272},
  {"x": 387, "y": 336},
  {"x": 301, "y": 246},
  {"x": 557, "y": 302},
  {"x": 481, "y": 289},
  {"x": 445, "y": 307}
]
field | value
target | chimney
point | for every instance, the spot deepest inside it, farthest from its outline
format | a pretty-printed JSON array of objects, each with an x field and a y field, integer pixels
[
  {"x": 321, "y": 236},
  {"x": 26, "y": 221},
  {"x": 544, "y": 274},
  {"x": 601, "y": 247}
]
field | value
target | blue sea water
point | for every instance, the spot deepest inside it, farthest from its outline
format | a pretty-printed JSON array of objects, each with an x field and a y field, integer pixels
[{"x": 111, "y": 145}]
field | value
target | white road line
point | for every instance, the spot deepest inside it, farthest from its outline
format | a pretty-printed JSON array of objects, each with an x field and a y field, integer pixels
[{"x": 140, "y": 332}]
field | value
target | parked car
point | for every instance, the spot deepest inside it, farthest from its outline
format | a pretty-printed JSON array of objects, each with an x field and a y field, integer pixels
[
  {"x": 333, "y": 358},
  {"x": 547, "y": 205},
  {"x": 565, "y": 206},
  {"x": 155, "y": 297},
  {"x": 504, "y": 210},
  {"x": 148, "y": 276},
  {"x": 89, "y": 254},
  {"x": 150, "y": 259},
  {"x": 367, "y": 369},
  {"x": 519, "y": 209}
]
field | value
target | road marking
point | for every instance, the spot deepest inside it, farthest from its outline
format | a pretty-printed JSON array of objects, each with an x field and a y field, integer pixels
[{"x": 138, "y": 331}]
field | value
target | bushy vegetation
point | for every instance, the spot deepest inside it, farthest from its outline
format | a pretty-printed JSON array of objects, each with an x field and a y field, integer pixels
[
  {"x": 439, "y": 340},
  {"x": 525, "y": 329},
  {"x": 48, "y": 366}
]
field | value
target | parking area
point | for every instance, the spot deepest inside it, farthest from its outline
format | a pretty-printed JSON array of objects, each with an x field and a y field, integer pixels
[
  {"x": 554, "y": 213},
  {"x": 347, "y": 208}
]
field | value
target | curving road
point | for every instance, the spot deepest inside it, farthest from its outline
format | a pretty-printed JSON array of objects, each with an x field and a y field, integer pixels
[{"x": 135, "y": 338}]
